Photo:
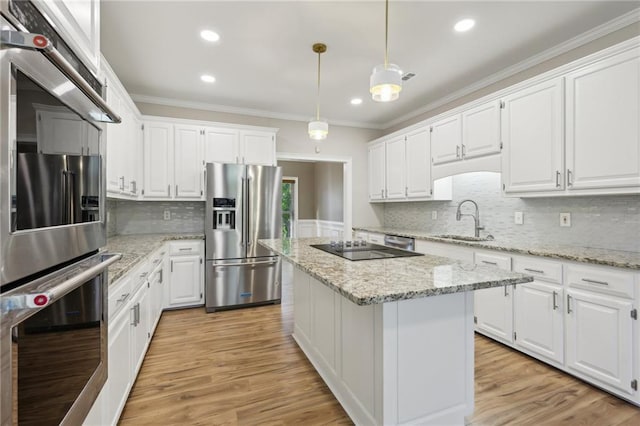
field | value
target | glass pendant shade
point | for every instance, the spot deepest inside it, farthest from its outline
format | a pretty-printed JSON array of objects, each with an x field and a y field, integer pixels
[
  {"x": 385, "y": 83},
  {"x": 318, "y": 129}
]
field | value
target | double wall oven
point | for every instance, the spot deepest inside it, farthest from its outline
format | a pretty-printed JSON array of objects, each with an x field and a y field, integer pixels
[{"x": 53, "y": 275}]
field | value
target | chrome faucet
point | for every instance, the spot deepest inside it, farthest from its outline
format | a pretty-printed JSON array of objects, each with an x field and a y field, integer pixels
[{"x": 476, "y": 217}]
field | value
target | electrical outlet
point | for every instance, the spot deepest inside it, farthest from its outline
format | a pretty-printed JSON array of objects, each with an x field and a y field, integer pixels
[
  {"x": 565, "y": 219},
  {"x": 518, "y": 218},
  {"x": 167, "y": 215},
  {"x": 434, "y": 215}
]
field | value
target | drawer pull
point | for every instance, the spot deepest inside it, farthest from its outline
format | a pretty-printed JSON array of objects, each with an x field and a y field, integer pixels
[
  {"x": 186, "y": 249},
  {"x": 155, "y": 262},
  {"x": 506, "y": 292},
  {"x": 587, "y": 280},
  {"x": 536, "y": 271},
  {"x": 490, "y": 263},
  {"x": 555, "y": 300},
  {"x": 144, "y": 274},
  {"x": 123, "y": 298}
]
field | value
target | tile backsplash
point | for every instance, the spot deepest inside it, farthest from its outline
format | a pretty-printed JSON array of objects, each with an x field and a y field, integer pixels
[
  {"x": 609, "y": 222},
  {"x": 147, "y": 217}
]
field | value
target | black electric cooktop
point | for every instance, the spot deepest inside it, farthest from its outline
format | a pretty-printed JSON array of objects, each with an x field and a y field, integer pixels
[{"x": 366, "y": 251}]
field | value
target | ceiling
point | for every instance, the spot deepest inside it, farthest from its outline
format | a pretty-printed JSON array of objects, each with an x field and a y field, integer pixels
[{"x": 264, "y": 65}]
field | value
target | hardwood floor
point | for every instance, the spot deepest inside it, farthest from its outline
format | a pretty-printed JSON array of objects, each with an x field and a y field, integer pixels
[{"x": 243, "y": 367}]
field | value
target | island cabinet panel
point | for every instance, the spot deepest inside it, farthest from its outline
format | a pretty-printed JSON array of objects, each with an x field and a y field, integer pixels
[{"x": 398, "y": 362}]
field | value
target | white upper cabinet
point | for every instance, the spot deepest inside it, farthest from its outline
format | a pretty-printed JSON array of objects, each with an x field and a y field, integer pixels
[
  {"x": 446, "y": 140},
  {"x": 258, "y": 147},
  {"x": 158, "y": 144},
  {"x": 603, "y": 123},
  {"x": 377, "y": 171},
  {"x": 532, "y": 133},
  {"x": 221, "y": 145},
  {"x": 395, "y": 167},
  {"x": 481, "y": 130},
  {"x": 417, "y": 164},
  {"x": 78, "y": 22},
  {"x": 187, "y": 161}
]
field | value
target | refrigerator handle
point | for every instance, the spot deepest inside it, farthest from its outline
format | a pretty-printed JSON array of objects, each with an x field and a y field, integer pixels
[{"x": 248, "y": 220}]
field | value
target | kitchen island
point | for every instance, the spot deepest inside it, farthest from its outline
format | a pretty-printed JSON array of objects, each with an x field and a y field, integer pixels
[{"x": 392, "y": 338}]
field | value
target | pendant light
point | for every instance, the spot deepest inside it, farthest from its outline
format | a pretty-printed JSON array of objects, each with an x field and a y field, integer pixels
[
  {"x": 385, "y": 82},
  {"x": 318, "y": 129}
]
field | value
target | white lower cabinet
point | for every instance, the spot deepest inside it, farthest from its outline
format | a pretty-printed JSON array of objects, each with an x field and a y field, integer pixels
[
  {"x": 120, "y": 367},
  {"x": 493, "y": 307},
  {"x": 186, "y": 278},
  {"x": 141, "y": 332},
  {"x": 539, "y": 320}
]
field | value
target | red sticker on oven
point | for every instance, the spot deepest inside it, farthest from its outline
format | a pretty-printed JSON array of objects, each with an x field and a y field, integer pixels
[
  {"x": 40, "y": 41},
  {"x": 37, "y": 300}
]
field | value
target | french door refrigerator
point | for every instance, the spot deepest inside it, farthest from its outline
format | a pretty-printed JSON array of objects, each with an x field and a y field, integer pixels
[{"x": 243, "y": 205}]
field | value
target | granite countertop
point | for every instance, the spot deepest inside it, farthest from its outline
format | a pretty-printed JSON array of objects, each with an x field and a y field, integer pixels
[
  {"x": 598, "y": 256},
  {"x": 369, "y": 282},
  {"x": 135, "y": 248}
]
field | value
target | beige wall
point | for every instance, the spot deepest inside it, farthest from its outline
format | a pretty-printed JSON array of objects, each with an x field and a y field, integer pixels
[
  {"x": 292, "y": 138},
  {"x": 572, "y": 55},
  {"x": 329, "y": 190},
  {"x": 305, "y": 172}
]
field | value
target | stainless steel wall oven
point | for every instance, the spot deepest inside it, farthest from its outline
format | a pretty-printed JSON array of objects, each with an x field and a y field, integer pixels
[{"x": 53, "y": 277}]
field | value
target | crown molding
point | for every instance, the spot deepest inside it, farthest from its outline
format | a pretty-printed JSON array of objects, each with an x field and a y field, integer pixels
[
  {"x": 243, "y": 111},
  {"x": 580, "y": 40}
]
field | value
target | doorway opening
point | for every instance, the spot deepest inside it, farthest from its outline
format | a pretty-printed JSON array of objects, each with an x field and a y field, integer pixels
[{"x": 289, "y": 207}]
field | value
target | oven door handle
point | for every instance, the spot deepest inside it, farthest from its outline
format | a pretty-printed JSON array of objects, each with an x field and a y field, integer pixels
[
  {"x": 43, "y": 297},
  {"x": 41, "y": 43}
]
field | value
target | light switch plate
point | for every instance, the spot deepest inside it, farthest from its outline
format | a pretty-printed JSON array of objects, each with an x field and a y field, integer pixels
[
  {"x": 565, "y": 219},
  {"x": 518, "y": 218},
  {"x": 167, "y": 215},
  {"x": 434, "y": 215}
]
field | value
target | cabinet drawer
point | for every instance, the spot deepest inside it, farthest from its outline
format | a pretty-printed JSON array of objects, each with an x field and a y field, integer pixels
[
  {"x": 499, "y": 261},
  {"x": 177, "y": 248},
  {"x": 119, "y": 295},
  {"x": 544, "y": 270},
  {"x": 601, "y": 280},
  {"x": 376, "y": 238},
  {"x": 157, "y": 257}
]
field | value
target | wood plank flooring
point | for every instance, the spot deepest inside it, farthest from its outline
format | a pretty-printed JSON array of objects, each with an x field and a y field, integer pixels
[{"x": 243, "y": 367}]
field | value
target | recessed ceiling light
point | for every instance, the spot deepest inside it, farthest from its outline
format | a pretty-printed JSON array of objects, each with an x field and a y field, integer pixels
[
  {"x": 209, "y": 35},
  {"x": 464, "y": 25},
  {"x": 356, "y": 101},
  {"x": 207, "y": 78}
]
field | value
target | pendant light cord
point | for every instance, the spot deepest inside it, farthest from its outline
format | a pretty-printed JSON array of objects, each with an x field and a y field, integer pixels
[
  {"x": 318, "y": 96},
  {"x": 386, "y": 35}
]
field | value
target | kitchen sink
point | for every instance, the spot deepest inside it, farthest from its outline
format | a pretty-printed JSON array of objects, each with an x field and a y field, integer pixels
[{"x": 465, "y": 237}]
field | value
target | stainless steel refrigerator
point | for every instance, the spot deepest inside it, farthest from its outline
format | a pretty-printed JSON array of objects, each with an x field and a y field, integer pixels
[{"x": 243, "y": 205}]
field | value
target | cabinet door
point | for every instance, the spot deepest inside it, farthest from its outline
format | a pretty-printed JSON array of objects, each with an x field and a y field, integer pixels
[
  {"x": 395, "y": 167},
  {"x": 599, "y": 338},
  {"x": 538, "y": 319},
  {"x": 60, "y": 133},
  {"x": 158, "y": 143},
  {"x": 603, "y": 123},
  {"x": 221, "y": 145},
  {"x": 120, "y": 367},
  {"x": 481, "y": 130},
  {"x": 532, "y": 123},
  {"x": 115, "y": 145},
  {"x": 494, "y": 306},
  {"x": 446, "y": 140},
  {"x": 187, "y": 161},
  {"x": 377, "y": 171},
  {"x": 157, "y": 292},
  {"x": 258, "y": 148},
  {"x": 418, "y": 164},
  {"x": 140, "y": 333},
  {"x": 185, "y": 281}
]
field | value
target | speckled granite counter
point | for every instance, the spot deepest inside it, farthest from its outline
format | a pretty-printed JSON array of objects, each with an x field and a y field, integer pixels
[
  {"x": 616, "y": 258},
  {"x": 377, "y": 281},
  {"x": 135, "y": 248}
]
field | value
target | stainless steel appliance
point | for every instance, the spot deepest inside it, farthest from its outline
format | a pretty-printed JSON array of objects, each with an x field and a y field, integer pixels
[
  {"x": 243, "y": 205},
  {"x": 52, "y": 179},
  {"x": 53, "y": 344},
  {"x": 53, "y": 331},
  {"x": 405, "y": 243},
  {"x": 361, "y": 250}
]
